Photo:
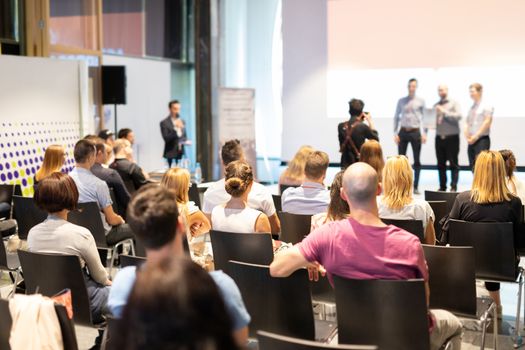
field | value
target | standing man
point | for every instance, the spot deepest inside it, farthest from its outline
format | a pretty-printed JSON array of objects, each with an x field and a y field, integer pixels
[
  {"x": 354, "y": 132},
  {"x": 477, "y": 127},
  {"x": 173, "y": 132},
  {"x": 448, "y": 115},
  {"x": 408, "y": 127}
]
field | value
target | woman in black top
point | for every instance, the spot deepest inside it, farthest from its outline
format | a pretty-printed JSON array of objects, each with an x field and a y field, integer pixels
[{"x": 489, "y": 200}]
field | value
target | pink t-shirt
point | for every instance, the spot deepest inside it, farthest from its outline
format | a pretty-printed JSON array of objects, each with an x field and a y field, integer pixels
[{"x": 351, "y": 250}]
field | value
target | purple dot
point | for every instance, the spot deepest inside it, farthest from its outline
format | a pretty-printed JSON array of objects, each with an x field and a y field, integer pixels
[
  {"x": 2, "y": 177},
  {"x": 11, "y": 154},
  {"x": 8, "y": 144},
  {"x": 17, "y": 153},
  {"x": 1, "y": 167},
  {"x": 31, "y": 161},
  {"x": 34, "y": 151},
  {"x": 24, "y": 182},
  {"x": 41, "y": 158},
  {"x": 33, "y": 170},
  {"x": 23, "y": 153},
  {"x": 9, "y": 176},
  {"x": 7, "y": 166},
  {"x": 19, "y": 163},
  {"x": 25, "y": 161},
  {"x": 16, "y": 174},
  {"x": 5, "y": 155},
  {"x": 14, "y": 143},
  {"x": 36, "y": 159},
  {"x": 2, "y": 145}
]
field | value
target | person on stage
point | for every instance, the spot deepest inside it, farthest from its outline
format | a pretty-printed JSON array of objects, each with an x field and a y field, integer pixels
[
  {"x": 448, "y": 115},
  {"x": 477, "y": 127},
  {"x": 173, "y": 131},
  {"x": 354, "y": 132},
  {"x": 408, "y": 127}
]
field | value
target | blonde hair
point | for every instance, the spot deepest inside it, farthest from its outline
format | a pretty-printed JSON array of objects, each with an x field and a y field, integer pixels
[
  {"x": 372, "y": 154},
  {"x": 53, "y": 161},
  {"x": 316, "y": 165},
  {"x": 239, "y": 176},
  {"x": 120, "y": 144},
  {"x": 488, "y": 185},
  {"x": 178, "y": 180},
  {"x": 397, "y": 182},
  {"x": 295, "y": 170}
]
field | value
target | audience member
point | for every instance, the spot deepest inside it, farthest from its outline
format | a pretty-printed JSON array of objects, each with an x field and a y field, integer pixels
[
  {"x": 363, "y": 247},
  {"x": 54, "y": 159},
  {"x": 259, "y": 197},
  {"x": 397, "y": 201},
  {"x": 293, "y": 175},
  {"x": 57, "y": 194},
  {"x": 110, "y": 176},
  {"x": 489, "y": 200},
  {"x": 372, "y": 154},
  {"x": 126, "y": 134},
  {"x": 132, "y": 175},
  {"x": 311, "y": 197},
  {"x": 235, "y": 215},
  {"x": 516, "y": 186},
  {"x": 353, "y": 133},
  {"x": 108, "y": 136},
  {"x": 337, "y": 209},
  {"x": 175, "y": 305},
  {"x": 92, "y": 189},
  {"x": 154, "y": 217}
]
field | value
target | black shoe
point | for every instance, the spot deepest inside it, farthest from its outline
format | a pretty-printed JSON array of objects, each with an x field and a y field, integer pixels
[
  {"x": 416, "y": 191},
  {"x": 441, "y": 189},
  {"x": 453, "y": 189}
]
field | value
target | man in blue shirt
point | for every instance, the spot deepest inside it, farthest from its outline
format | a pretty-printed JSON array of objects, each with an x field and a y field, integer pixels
[{"x": 154, "y": 218}]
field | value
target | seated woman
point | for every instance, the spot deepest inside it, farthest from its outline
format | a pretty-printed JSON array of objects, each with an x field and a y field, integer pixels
[
  {"x": 397, "y": 202},
  {"x": 174, "y": 304},
  {"x": 489, "y": 200},
  {"x": 57, "y": 194},
  {"x": 337, "y": 209},
  {"x": 372, "y": 154},
  {"x": 516, "y": 187},
  {"x": 54, "y": 159},
  {"x": 236, "y": 215},
  {"x": 294, "y": 174}
]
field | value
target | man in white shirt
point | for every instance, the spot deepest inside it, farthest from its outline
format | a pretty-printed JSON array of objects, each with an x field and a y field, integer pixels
[
  {"x": 259, "y": 198},
  {"x": 312, "y": 197}
]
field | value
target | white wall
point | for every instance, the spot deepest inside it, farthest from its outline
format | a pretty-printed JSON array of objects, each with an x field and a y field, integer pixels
[{"x": 148, "y": 93}]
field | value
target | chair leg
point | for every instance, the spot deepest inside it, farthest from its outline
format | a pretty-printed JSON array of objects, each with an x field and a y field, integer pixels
[
  {"x": 518, "y": 340},
  {"x": 112, "y": 261},
  {"x": 15, "y": 283},
  {"x": 484, "y": 325},
  {"x": 495, "y": 342}
]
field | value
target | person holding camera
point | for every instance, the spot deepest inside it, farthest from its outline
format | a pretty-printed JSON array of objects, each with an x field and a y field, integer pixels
[{"x": 354, "y": 132}]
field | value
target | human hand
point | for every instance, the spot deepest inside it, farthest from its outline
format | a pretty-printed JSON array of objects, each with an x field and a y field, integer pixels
[
  {"x": 314, "y": 269},
  {"x": 471, "y": 140},
  {"x": 423, "y": 138},
  {"x": 396, "y": 139},
  {"x": 195, "y": 228},
  {"x": 440, "y": 109}
]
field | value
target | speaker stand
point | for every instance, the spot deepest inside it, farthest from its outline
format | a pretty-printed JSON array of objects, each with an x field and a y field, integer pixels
[{"x": 115, "y": 117}]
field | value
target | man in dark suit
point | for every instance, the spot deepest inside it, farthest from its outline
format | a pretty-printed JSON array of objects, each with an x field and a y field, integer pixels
[{"x": 173, "y": 132}]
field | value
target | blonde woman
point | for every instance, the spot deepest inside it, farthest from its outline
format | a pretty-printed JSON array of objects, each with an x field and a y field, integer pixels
[
  {"x": 397, "y": 201},
  {"x": 294, "y": 174},
  {"x": 372, "y": 154},
  {"x": 54, "y": 159},
  {"x": 489, "y": 200}
]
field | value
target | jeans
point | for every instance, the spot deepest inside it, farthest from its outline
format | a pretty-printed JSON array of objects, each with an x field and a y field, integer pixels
[
  {"x": 98, "y": 298},
  {"x": 447, "y": 149},
  {"x": 473, "y": 150},
  {"x": 118, "y": 234},
  {"x": 414, "y": 138},
  {"x": 446, "y": 327}
]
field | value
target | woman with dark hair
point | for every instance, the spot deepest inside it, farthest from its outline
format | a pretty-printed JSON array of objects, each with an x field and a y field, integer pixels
[
  {"x": 337, "y": 209},
  {"x": 57, "y": 194},
  {"x": 174, "y": 305},
  {"x": 516, "y": 187}
]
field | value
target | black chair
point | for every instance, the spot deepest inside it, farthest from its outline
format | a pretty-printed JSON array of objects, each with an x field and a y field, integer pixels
[
  {"x": 280, "y": 305},
  {"x": 116, "y": 206},
  {"x": 194, "y": 194},
  {"x": 110, "y": 333},
  {"x": 9, "y": 262},
  {"x": 391, "y": 314},
  {"x": 283, "y": 188},
  {"x": 440, "y": 211},
  {"x": 294, "y": 227},
  {"x": 271, "y": 341},
  {"x": 69, "y": 338},
  {"x": 494, "y": 248},
  {"x": 413, "y": 226},
  {"x": 449, "y": 197},
  {"x": 128, "y": 260},
  {"x": 49, "y": 274},
  {"x": 26, "y": 214},
  {"x": 254, "y": 248},
  {"x": 454, "y": 289},
  {"x": 7, "y": 191},
  {"x": 277, "y": 202}
]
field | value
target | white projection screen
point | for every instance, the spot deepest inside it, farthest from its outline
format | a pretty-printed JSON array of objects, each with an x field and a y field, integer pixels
[{"x": 373, "y": 47}]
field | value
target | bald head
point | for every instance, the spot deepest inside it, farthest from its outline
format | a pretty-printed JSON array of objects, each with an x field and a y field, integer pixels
[
  {"x": 442, "y": 90},
  {"x": 360, "y": 184}
]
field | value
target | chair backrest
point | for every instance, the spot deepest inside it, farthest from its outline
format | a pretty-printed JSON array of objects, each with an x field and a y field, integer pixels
[
  {"x": 280, "y": 305},
  {"x": 129, "y": 260},
  {"x": 6, "y": 193},
  {"x": 449, "y": 197},
  {"x": 283, "y": 188},
  {"x": 440, "y": 209},
  {"x": 493, "y": 244},
  {"x": 254, "y": 248},
  {"x": 88, "y": 215},
  {"x": 271, "y": 341},
  {"x": 391, "y": 314},
  {"x": 116, "y": 205},
  {"x": 413, "y": 226},
  {"x": 452, "y": 280},
  {"x": 69, "y": 338},
  {"x": 3, "y": 259},
  {"x": 277, "y": 202},
  {"x": 294, "y": 227},
  {"x": 26, "y": 214},
  {"x": 194, "y": 194},
  {"x": 49, "y": 274}
]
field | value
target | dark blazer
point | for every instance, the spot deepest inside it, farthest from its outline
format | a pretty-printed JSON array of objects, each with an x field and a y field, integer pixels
[
  {"x": 173, "y": 147},
  {"x": 114, "y": 180}
]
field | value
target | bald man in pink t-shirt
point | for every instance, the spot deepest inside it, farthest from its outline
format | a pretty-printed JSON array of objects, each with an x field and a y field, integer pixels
[{"x": 363, "y": 247}]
